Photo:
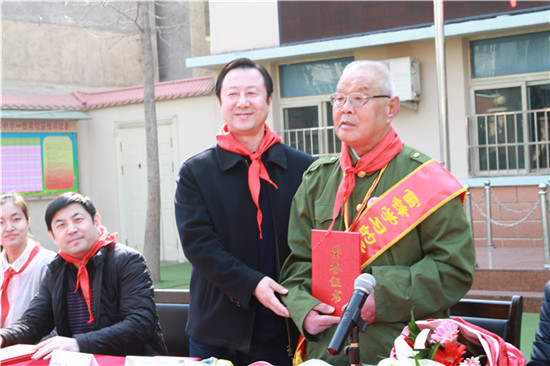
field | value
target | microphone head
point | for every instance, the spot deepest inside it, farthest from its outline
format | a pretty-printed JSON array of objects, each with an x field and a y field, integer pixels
[{"x": 365, "y": 282}]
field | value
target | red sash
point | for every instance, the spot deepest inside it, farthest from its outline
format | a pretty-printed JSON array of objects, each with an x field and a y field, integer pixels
[{"x": 404, "y": 206}]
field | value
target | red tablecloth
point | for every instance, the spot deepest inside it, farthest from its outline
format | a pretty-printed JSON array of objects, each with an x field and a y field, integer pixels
[
  {"x": 20, "y": 354},
  {"x": 102, "y": 360}
]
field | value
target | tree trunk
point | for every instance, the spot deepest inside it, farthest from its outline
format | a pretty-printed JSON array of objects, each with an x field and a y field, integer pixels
[{"x": 152, "y": 222}]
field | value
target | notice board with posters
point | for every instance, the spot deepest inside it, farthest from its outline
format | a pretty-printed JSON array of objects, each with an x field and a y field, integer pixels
[{"x": 39, "y": 157}]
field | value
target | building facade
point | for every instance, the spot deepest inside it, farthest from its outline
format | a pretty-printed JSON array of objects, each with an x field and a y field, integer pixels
[
  {"x": 72, "y": 107},
  {"x": 497, "y": 58}
]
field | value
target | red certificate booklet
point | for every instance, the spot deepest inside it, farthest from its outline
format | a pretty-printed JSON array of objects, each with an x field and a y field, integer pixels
[
  {"x": 16, "y": 353},
  {"x": 335, "y": 264}
]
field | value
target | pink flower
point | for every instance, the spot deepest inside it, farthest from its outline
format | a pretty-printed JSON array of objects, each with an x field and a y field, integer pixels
[
  {"x": 446, "y": 332},
  {"x": 472, "y": 361}
]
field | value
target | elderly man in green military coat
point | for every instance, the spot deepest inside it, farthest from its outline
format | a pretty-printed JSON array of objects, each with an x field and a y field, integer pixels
[{"x": 430, "y": 263}]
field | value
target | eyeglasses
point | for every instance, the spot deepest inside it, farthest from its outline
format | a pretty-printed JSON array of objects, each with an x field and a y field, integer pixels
[{"x": 355, "y": 99}]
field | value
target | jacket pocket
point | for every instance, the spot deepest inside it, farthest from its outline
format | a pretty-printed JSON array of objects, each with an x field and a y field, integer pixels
[
  {"x": 323, "y": 216},
  {"x": 207, "y": 295}
]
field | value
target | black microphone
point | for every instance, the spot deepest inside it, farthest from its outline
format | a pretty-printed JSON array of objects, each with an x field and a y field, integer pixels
[{"x": 364, "y": 285}]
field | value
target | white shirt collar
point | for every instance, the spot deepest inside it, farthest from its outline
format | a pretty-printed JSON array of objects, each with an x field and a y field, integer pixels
[{"x": 19, "y": 262}]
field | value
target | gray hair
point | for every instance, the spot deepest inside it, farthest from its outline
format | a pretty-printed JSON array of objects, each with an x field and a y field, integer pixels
[{"x": 385, "y": 81}]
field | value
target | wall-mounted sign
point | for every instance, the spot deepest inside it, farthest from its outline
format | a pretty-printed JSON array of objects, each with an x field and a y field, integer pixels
[{"x": 39, "y": 157}]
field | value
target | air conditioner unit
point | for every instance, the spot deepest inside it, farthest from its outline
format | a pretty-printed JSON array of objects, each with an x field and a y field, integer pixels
[{"x": 406, "y": 77}]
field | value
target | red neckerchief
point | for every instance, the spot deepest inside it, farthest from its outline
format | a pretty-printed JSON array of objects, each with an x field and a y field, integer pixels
[
  {"x": 104, "y": 238},
  {"x": 257, "y": 170},
  {"x": 8, "y": 274},
  {"x": 372, "y": 161}
]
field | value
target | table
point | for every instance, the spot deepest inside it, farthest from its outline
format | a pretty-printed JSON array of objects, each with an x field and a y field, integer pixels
[
  {"x": 19, "y": 355},
  {"x": 102, "y": 360}
]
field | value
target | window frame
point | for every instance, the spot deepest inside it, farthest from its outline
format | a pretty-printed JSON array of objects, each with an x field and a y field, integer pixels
[
  {"x": 523, "y": 81},
  {"x": 320, "y": 101}
]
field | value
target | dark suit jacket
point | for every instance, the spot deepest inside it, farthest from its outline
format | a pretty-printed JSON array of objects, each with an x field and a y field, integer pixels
[
  {"x": 125, "y": 320},
  {"x": 540, "y": 356},
  {"x": 216, "y": 218}
]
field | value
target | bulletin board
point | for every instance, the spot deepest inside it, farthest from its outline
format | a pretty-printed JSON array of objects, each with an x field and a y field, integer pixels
[{"x": 39, "y": 161}]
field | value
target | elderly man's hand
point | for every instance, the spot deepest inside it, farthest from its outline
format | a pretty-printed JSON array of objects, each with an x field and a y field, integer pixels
[
  {"x": 265, "y": 293},
  {"x": 368, "y": 311},
  {"x": 318, "y": 319},
  {"x": 45, "y": 348}
]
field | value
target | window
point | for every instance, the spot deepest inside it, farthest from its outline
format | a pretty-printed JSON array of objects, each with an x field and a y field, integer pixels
[
  {"x": 539, "y": 127},
  {"x": 506, "y": 138},
  {"x": 509, "y": 132},
  {"x": 310, "y": 129},
  {"x": 511, "y": 55},
  {"x": 307, "y": 113}
]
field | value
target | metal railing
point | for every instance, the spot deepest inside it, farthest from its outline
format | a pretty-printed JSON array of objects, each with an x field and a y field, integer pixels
[
  {"x": 316, "y": 141},
  {"x": 509, "y": 143},
  {"x": 489, "y": 221}
]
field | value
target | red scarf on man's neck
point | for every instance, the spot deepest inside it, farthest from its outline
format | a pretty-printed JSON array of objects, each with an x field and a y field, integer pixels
[
  {"x": 8, "y": 274},
  {"x": 372, "y": 161},
  {"x": 104, "y": 238},
  {"x": 257, "y": 170}
]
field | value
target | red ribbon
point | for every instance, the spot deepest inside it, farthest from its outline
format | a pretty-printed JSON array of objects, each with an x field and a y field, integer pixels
[
  {"x": 82, "y": 278},
  {"x": 8, "y": 274},
  {"x": 372, "y": 161},
  {"x": 257, "y": 169}
]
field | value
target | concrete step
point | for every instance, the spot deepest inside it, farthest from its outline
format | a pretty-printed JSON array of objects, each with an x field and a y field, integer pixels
[
  {"x": 510, "y": 280},
  {"x": 504, "y": 272},
  {"x": 502, "y": 284}
]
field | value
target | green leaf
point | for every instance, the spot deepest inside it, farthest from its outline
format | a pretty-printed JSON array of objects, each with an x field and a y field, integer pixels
[
  {"x": 413, "y": 328},
  {"x": 434, "y": 350}
]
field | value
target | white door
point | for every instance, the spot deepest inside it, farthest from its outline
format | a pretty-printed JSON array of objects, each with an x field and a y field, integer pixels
[{"x": 132, "y": 174}]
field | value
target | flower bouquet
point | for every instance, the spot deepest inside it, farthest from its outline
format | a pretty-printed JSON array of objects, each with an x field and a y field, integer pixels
[{"x": 450, "y": 342}]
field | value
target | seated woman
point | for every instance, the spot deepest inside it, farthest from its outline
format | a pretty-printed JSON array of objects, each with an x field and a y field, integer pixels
[{"x": 23, "y": 262}]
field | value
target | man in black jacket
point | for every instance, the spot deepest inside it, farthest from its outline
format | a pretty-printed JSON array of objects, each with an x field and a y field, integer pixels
[
  {"x": 232, "y": 205},
  {"x": 97, "y": 294},
  {"x": 540, "y": 355}
]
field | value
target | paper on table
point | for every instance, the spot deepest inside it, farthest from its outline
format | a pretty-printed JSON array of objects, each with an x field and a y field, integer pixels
[
  {"x": 161, "y": 361},
  {"x": 16, "y": 353},
  {"x": 68, "y": 358}
]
